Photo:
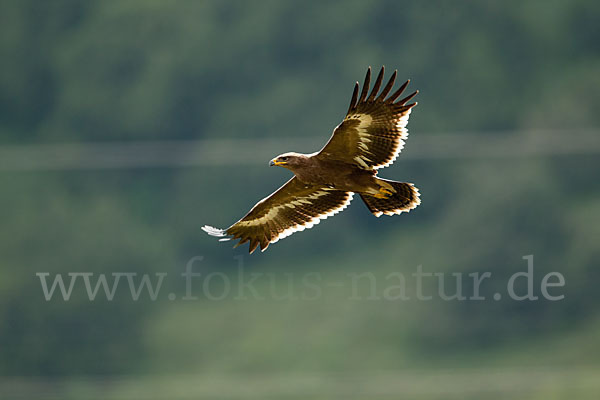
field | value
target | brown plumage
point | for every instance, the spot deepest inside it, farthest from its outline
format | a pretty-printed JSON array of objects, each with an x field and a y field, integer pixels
[{"x": 370, "y": 137}]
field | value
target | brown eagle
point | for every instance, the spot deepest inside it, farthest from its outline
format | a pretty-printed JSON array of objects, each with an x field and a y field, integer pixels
[{"x": 370, "y": 137}]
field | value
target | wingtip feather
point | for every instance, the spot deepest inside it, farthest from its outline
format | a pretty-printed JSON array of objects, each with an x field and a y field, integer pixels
[
  {"x": 388, "y": 86},
  {"x": 398, "y": 92},
  {"x": 377, "y": 84},
  {"x": 407, "y": 98},
  {"x": 365, "y": 89},
  {"x": 212, "y": 231}
]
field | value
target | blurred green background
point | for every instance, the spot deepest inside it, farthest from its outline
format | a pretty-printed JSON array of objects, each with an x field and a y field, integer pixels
[{"x": 127, "y": 125}]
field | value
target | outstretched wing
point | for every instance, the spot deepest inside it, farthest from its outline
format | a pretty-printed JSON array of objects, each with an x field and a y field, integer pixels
[
  {"x": 293, "y": 207},
  {"x": 373, "y": 132}
]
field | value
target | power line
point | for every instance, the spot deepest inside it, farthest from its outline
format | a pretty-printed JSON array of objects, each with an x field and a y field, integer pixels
[{"x": 248, "y": 152}]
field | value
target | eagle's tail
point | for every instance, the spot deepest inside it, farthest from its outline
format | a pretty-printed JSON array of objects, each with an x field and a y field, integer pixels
[{"x": 404, "y": 199}]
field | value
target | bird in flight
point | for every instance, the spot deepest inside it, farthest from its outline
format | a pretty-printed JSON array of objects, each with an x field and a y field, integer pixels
[{"x": 370, "y": 137}]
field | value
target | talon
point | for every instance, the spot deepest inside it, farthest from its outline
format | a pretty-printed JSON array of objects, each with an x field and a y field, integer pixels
[{"x": 383, "y": 193}]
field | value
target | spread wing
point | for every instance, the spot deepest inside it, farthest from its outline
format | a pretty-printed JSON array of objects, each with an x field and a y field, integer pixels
[
  {"x": 373, "y": 132},
  {"x": 293, "y": 207}
]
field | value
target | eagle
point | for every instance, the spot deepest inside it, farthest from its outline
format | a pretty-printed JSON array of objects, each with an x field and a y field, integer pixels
[{"x": 369, "y": 138}]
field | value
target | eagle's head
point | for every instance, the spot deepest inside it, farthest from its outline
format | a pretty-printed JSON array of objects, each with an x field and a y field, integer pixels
[{"x": 288, "y": 160}]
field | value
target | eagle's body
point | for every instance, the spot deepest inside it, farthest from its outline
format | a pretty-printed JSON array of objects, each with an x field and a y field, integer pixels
[
  {"x": 370, "y": 137},
  {"x": 315, "y": 170}
]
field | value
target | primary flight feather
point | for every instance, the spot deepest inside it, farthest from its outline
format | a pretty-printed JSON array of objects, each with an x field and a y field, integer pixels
[{"x": 370, "y": 137}]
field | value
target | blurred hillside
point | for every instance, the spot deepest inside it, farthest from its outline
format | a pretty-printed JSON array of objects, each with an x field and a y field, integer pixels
[{"x": 278, "y": 75}]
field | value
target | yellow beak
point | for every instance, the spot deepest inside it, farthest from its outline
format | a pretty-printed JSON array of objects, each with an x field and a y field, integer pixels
[{"x": 274, "y": 162}]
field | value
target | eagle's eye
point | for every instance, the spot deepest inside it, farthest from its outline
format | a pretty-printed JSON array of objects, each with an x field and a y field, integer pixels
[{"x": 283, "y": 158}]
